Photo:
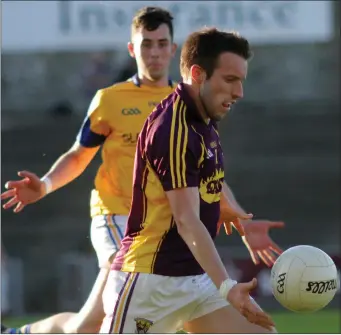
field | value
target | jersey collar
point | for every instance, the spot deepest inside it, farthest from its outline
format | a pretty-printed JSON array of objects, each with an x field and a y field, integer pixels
[
  {"x": 136, "y": 80},
  {"x": 192, "y": 107}
]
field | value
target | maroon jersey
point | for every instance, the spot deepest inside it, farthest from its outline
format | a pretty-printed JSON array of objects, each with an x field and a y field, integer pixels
[{"x": 176, "y": 149}]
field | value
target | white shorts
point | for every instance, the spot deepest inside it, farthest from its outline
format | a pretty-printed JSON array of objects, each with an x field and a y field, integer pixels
[
  {"x": 106, "y": 234},
  {"x": 146, "y": 303}
]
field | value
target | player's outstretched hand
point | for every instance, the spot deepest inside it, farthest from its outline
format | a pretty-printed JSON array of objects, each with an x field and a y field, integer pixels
[
  {"x": 23, "y": 192},
  {"x": 239, "y": 298},
  {"x": 259, "y": 243}
]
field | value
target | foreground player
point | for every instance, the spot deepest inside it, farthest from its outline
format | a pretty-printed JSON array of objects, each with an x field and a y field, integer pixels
[
  {"x": 115, "y": 117},
  {"x": 167, "y": 273}
]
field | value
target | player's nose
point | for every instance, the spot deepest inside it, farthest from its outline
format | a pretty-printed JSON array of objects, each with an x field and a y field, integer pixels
[
  {"x": 238, "y": 91},
  {"x": 154, "y": 52}
]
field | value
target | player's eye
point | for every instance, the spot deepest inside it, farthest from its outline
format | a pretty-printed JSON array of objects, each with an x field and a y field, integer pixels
[
  {"x": 163, "y": 44},
  {"x": 231, "y": 79},
  {"x": 146, "y": 45}
]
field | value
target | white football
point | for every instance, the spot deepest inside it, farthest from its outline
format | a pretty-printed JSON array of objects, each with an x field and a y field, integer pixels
[{"x": 304, "y": 279}]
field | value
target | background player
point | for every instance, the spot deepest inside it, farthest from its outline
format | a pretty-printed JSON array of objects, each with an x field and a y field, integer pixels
[
  {"x": 167, "y": 273},
  {"x": 114, "y": 119}
]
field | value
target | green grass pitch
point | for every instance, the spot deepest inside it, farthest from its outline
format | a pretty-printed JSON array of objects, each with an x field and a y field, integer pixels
[{"x": 327, "y": 321}]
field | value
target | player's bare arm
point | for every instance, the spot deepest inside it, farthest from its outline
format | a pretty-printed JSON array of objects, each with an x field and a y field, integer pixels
[
  {"x": 31, "y": 188},
  {"x": 185, "y": 206}
]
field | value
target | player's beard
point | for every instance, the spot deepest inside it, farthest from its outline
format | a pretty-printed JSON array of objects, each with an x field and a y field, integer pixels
[{"x": 205, "y": 102}]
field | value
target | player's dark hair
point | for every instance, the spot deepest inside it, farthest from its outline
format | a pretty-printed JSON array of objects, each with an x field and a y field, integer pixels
[
  {"x": 151, "y": 18},
  {"x": 204, "y": 47}
]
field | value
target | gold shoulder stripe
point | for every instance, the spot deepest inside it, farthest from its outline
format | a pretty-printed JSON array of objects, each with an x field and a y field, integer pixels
[
  {"x": 178, "y": 145},
  {"x": 185, "y": 144},
  {"x": 171, "y": 140}
]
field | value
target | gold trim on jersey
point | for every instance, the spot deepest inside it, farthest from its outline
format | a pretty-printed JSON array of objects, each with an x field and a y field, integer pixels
[{"x": 178, "y": 119}]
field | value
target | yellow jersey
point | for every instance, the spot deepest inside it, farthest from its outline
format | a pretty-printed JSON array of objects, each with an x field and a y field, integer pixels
[{"x": 114, "y": 119}]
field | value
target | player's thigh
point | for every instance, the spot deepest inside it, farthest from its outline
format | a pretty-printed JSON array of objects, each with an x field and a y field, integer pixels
[
  {"x": 146, "y": 303},
  {"x": 224, "y": 320},
  {"x": 89, "y": 318},
  {"x": 106, "y": 234}
]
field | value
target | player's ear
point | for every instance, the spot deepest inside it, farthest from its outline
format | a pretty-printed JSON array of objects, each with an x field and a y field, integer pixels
[
  {"x": 174, "y": 48},
  {"x": 198, "y": 74},
  {"x": 131, "y": 49}
]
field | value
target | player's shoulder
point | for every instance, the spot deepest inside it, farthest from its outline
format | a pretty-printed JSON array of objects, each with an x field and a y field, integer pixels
[
  {"x": 168, "y": 118},
  {"x": 117, "y": 88}
]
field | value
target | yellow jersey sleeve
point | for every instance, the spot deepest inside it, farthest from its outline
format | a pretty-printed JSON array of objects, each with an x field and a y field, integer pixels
[{"x": 95, "y": 127}]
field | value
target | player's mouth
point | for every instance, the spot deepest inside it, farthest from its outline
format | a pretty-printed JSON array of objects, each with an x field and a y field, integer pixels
[
  {"x": 227, "y": 105},
  {"x": 155, "y": 66}
]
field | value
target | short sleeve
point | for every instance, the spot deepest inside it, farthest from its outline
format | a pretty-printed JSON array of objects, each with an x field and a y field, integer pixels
[
  {"x": 95, "y": 128},
  {"x": 173, "y": 153}
]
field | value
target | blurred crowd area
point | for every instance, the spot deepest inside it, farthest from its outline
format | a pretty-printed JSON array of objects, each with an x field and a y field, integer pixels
[{"x": 282, "y": 148}]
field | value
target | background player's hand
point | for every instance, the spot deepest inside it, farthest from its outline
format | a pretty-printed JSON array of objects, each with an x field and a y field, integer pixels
[
  {"x": 258, "y": 241},
  {"x": 239, "y": 298},
  {"x": 23, "y": 192}
]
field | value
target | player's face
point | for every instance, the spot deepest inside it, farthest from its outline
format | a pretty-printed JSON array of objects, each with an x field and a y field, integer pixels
[
  {"x": 153, "y": 51},
  {"x": 225, "y": 86}
]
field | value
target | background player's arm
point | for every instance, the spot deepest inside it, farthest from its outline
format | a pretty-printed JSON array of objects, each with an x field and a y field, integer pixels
[
  {"x": 92, "y": 134},
  {"x": 185, "y": 205},
  {"x": 70, "y": 165}
]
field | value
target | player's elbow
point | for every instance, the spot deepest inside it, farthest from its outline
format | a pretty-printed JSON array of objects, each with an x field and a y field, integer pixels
[
  {"x": 80, "y": 157},
  {"x": 185, "y": 225}
]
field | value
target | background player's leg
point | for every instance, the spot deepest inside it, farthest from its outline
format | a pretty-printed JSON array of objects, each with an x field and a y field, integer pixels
[
  {"x": 87, "y": 320},
  {"x": 106, "y": 235},
  {"x": 224, "y": 320}
]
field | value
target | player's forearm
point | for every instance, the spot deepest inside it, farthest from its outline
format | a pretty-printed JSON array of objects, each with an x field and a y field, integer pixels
[
  {"x": 203, "y": 249},
  {"x": 231, "y": 198},
  {"x": 67, "y": 168}
]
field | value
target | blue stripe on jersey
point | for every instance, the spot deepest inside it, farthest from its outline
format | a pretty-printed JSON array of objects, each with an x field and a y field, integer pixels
[{"x": 87, "y": 138}]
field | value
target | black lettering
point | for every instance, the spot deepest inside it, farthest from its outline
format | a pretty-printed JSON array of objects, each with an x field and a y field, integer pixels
[
  {"x": 323, "y": 287},
  {"x": 315, "y": 288},
  {"x": 281, "y": 282},
  {"x": 309, "y": 286},
  {"x": 319, "y": 287},
  {"x": 332, "y": 285}
]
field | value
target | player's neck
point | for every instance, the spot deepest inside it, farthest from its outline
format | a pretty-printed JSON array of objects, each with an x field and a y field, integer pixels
[
  {"x": 163, "y": 82},
  {"x": 200, "y": 107}
]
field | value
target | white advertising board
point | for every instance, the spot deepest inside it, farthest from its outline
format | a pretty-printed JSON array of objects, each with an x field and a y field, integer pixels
[{"x": 30, "y": 26}]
